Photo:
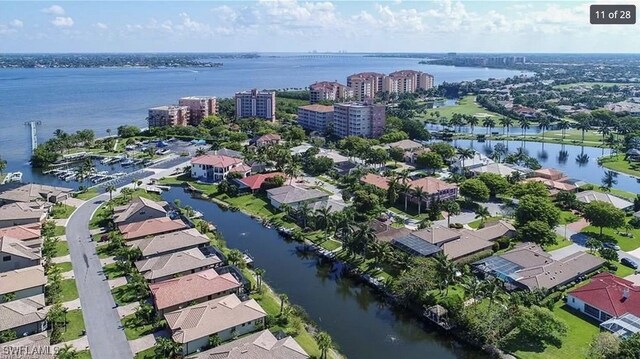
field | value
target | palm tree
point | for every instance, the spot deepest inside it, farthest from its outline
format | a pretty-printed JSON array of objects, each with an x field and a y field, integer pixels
[
  {"x": 283, "y": 299},
  {"x": 405, "y": 188},
  {"x": 465, "y": 153},
  {"x": 380, "y": 251},
  {"x": 457, "y": 120},
  {"x": 324, "y": 215},
  {"x": 144, "y": 313},
  {"x": 583, "y": 126},
  {"x": 303, "y": 211},
  {"x": 593, "y": 245},
  {"x": 544, "y": 125},
  {"x": 108, "y": 132},
  {"x": 201, "y": 151},
  {"x": 67, "y": 352},
  {"x": 3, "y": 165},
  {"x": 110, "y": 188},
  {"x": 324, "y": 343},
  {"x": 365, "y": 235},
  {"x": 259, "y": 274},
  {"x": 166, "y": 348},
  {"x": 524, "y": 125},
  {"x": 482, "y": 213},
  {"x": 609, "y": 180},
  {"x": 451, "y": 207},
  {"x": 563, "y": 125},
  {"x": 235, "y": 256},
  {"x": 489, "y": 123},
  {"x": 472, "y": 121},
  {"x": 418, "y": 193},
  {"x": 292, "y": 170},
  {"x": 472, "y": 288},
  {"x": 506, "y": 123},
  {"x": 127, "y": 192},
  {"x": 446, "y": 271},
  {"x": 214, "y": 341}
]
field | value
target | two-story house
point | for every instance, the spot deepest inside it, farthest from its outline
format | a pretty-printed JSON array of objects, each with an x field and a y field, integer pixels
[
  {"x": 15, "y": 255},
  {"x": 215, "y": 168}
]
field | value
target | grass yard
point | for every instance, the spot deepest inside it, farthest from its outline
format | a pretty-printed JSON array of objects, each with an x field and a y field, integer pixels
[
  {"x": 412, "y": 211},
  {"x": 85, "y": 354},
  {"x": 567, "y": 217},
  {"x": 146, "y": 354},
  {"x": 618, "y": 163},
  {"x": 64, "y": 267},
  {"x": 113, "y": 271},
  {"x": 623, "y": 270},
  {"x": 561, "y": 243},
  {"x": 574, "y": 135},
  {"x": 59, "y": 231},
  {"x": 575, "y": 344},
  {"x": 134, "y": 329},
  {"x": 87, "y": 195},
  {"x": 613, "y": 235},
  {"x": 103, "y": 251},
  {"x": 124, "y": 295},
  {"x": 630, "y": 196},
  {"x": 330, "y": 245},
  {"x": 476, "y": 224},
  {"x": 75, "y": 326},
  {"x": 61, "y": 210},
  {"x": 465, "y": 106},
  {"x": 69, "y": 290},
  {"x": 62, "y": 248},
  {"x": 206, "y": 188}
]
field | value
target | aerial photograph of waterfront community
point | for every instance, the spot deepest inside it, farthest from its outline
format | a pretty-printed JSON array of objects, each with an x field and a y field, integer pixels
[{"x": 289, "y": 179}]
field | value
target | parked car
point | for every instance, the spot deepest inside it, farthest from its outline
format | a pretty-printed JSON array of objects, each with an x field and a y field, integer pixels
[
  {"x": 611, "y": 245},
  {"x": 629, "y": 263}
]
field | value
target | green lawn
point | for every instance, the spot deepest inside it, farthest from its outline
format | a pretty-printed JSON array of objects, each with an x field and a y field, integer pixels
[
  {"x": 59, "y": 231},
  {"x": 476, "y": 224},
  {"x": 64, "y": 267},
  {"x": 618, "y": 163},
  {"x": 465, "y": 106},
  {"x": 146, "y": 354},
  {"x": 87, "y": 195},
  {"x": 331, "y": 244},
  {"x": 567, "y": 217},
  {"x": 561, "y": 243},
  {"x": 574, "y": 135},
  {"x": 630, "y": 196},
  {"x": 85, "y": 354},
  {"x": 61, "y": 210},
  {"x": 623, "y": 270},
  {"x": 75, "y": 325},
  {"x": 103, "y": 250},
  {"x": 625, "y": 243},
  {"x": 112, "y": 271},
  {"x": 124, "y": 295},
  {"x": 133, "y": 329},
  {"x": 62, "y": 248},
  {"x": 69, "y": 290},
  {"x": 206, "y": 188},
  {"x": 412, "y": 211},
  {"x": 575, "y": 344}
]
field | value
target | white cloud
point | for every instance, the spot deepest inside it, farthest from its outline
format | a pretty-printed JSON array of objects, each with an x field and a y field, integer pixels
[
  {"x": 12, "y": 27},
  {"x": 16, "y": 24},
  {"x": 61, "y": 21},
  {"x": 101, "y": 26},
  {"x": 54, "y": 10}
]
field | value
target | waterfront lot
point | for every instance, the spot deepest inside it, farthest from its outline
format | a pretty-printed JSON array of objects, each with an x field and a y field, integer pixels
[{"x": 465, "y": 106}]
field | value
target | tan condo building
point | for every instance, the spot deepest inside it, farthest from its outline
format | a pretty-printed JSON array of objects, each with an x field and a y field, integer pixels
[
  {"x": 199, "y": 107},
  {"x": 407, "y": 81},
  {"x": 256, "y": 103},
  {"x": 168, "y": 116},
  {"x": 329, "y": 91},
  {"x": 365, "y": 85},
  {"x": 358, "y": 119},
  {"x": 315, "y": 117}
]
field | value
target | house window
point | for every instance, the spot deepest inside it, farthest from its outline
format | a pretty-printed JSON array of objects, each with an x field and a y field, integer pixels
[
  {"x": 6, "y": 258},
  {"x": 592, "y": 311}
]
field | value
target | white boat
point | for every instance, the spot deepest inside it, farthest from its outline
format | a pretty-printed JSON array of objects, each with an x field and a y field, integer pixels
[
  {"x": 127, "y": 162},
  {"x": 12, "y": 177}
]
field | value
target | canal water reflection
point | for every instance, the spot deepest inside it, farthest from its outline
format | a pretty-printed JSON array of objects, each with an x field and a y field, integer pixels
[{"x": 362, "y": 325}]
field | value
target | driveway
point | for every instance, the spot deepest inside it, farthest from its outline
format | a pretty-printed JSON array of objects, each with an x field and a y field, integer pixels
[
  {"x": 567, "y": 251},
  {"x": 463, "y": 217},
  {"x": 104, "y": 330}
]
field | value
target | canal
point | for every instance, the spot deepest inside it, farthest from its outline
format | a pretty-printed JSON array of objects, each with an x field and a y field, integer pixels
[{"x": 361, "y": 325}]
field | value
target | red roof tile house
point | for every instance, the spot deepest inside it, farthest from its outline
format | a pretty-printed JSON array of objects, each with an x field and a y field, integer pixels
[
  {"x": 253, "y": 183},
  {"x": 267, "y": 140},
  {"x": 215, "y": 168},
  {"x": 177, "y": 293},
  {"x": 432, "y": 188},
  {"x": 150, "y": 227},
  {"x": 607, "y": 298}
]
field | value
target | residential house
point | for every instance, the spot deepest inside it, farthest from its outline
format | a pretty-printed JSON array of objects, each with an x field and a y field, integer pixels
[
  {"x": 611, "y": 300},
  {"x": 37, "y": 344},
  {"x": 150, "y": 227},
  {"x": 22, "y": 283},
  {"x": 254, "y": 183},
  {"x": 157, "y": 269},
  {"x": 549, "y": 174},
  {"x": 170, "y": 243},
  {"x": 495, "y": 230},
  {"x": 181, "y": 292},
  {"x": 294, "y": 197},
  {"x": 456, "y": 245},
  {"x": 15, "y": 255},
  {"x": 433, "y": 188},
  {"x": 215, "y": 168},
  {"x": 478, "y": 160},
  {"x": 227, "y": 317},
  {"x": 261, "y": 345},
  {"x": 266, "y": 140},
  {"x": 29, "y": 234},
  {"x": 591, "y": 196},
  {"x": 385, "y": 233},
  {"x": 501, "y": 169},
  {"x": 406, "y": 145},
  {"x": 16, "y": 214},
  {"x": 31, "y": 192},
  {"x": 528, "y": 266},
  {"x": 554, "y": 186},
  {"x": 633, "y": 154},
  {"x": 24, "y": 316},
  {"x": 140, "y": 209}
]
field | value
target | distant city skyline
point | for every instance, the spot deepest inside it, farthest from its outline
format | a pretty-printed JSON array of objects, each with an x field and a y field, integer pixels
[{"x": 304, "y": 26}]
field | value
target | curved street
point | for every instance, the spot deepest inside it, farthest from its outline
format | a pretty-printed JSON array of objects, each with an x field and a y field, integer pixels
[{"x": 104, "y": 330}]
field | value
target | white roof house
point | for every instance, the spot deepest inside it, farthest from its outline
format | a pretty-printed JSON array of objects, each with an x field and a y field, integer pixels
[{"x": 591, "y": 196}]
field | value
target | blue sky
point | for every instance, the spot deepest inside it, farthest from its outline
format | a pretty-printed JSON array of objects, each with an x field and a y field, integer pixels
[{"x": 300, "y": 26}]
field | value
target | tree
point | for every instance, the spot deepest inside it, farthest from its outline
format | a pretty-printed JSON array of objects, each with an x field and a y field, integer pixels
[
  {"x": 418, "y": 193},
  {"x": 563, "y": 125},
  {"x": 430, "y": 160},
  {"x": 506, "y": 123},
  {"x": 593, "y": 244},
  {"x": 629, "y": 348},
  {"x": 603, "y": 214},
  {"x": 259, "y": 274},
  {"x": 524, "y": 125},
  {"x": 3, "y": 165},
  {"x": 475, "y": 190},
  {"x": 482, "y": 213},
  {"x": 396, "y": 154},
  {"x": 144, "y": 313},
  {"x": 283, "y": 299},
  {"x": 540, "y": 324},
  {"x": 537, "y": 232},
  {"x": 532, "y": 188},
  {"x": 324, "y": 343},
  {"x": 412, "y": 286},
  {"x": 609, "y": 180},
  {"x": 405, "y": 188},
  {"x": 489, "y": 123},
  {"x": 566, "y": 199},
  {"x": 533, "y": 208},
  {"x": 7, "y": 336},
  {"x": 445, "y": 150},
  {"x": 110, "y": 188},
  {"x": 446, "y": 271},
  {"x": 604, "y": 346},
  {"x": 452, "y": 208},
  {"x": 214, "y": 340},
  {"x": 496, "y": 183},
  {"x": 544, "y": 123},
  {"x": 166, "y": 348},
  {"x": 609, "y": 254},
  {"x": 464, "y": 154},
  {"x": 235, "y": 256}
]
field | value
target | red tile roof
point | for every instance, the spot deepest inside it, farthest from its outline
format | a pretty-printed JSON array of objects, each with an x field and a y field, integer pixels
[
  {"x": 241, "y": 168},
  {"x": 255, "y": 182},
  {"x": 317, "y": 108},
  {"x": 150, "y": 227},
  {"x": 191, "y": 287},
  {"x": 23, "y": 233},
  {"x": 269, "y": 137},
  {"x": 606, "y": 292},
  {"x": 215, "y": 160},
  {"x": 376, "y": 180}
]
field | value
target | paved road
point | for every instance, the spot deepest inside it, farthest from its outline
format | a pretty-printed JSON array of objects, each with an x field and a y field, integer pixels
[{"x": 104, "y": 331}]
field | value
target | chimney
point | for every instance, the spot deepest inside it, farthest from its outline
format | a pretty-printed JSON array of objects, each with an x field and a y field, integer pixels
[{"x": 625, "y": 293}]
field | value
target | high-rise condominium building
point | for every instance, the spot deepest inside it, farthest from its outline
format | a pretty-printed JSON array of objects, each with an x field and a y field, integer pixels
[
  {"x": 407, "y": 81},
  {"x": 199, "y": 107},
  {"x": 315, "y": 117},
  {"x": 358, "y": 119},
  {"x": 329, "y": 91},
  {"x": 256, "y": 103},
  {"x": 365, "y": 85},
  {"x": 168, "y": 116}
]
